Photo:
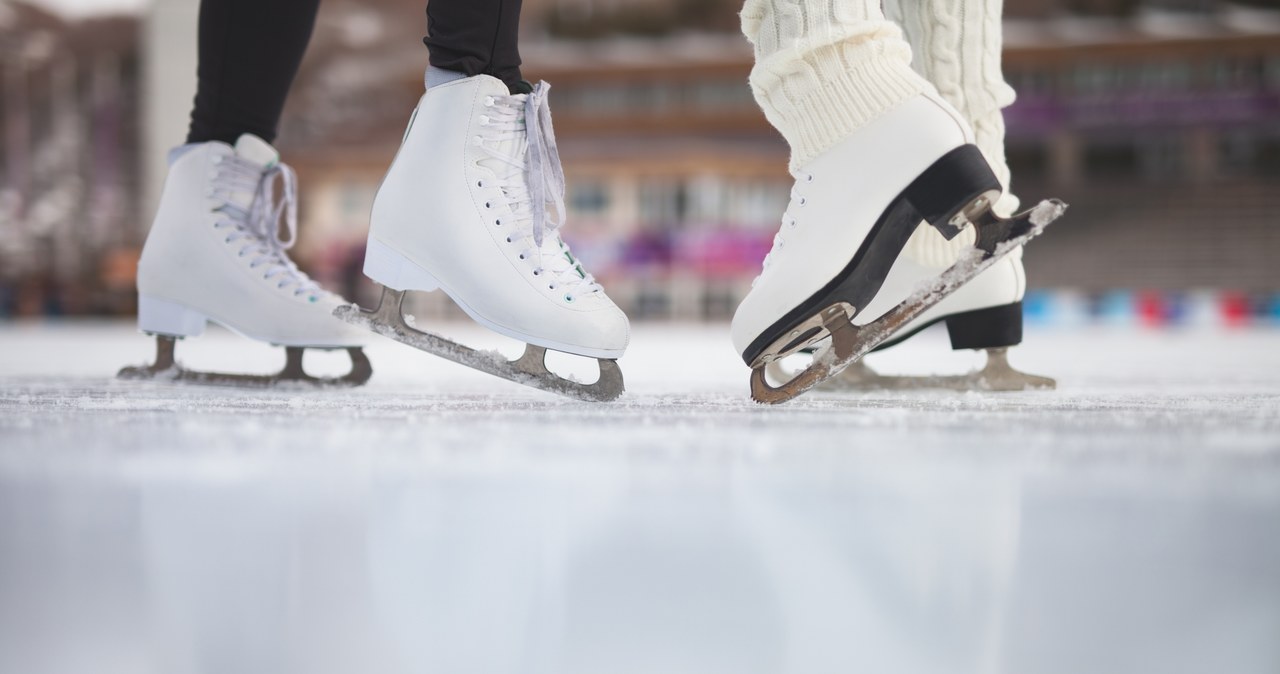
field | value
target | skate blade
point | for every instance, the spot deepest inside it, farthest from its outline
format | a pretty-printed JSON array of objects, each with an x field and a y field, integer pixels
[
  {"x": 996, "y": 236},
  {"x": 166, "y": 368},
  {"x": 996, "y": 375},
  {"x": 529, "y": 369}
]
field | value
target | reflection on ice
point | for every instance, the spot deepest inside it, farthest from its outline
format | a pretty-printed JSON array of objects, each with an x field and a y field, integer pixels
[{"x": 747, "y": 567}]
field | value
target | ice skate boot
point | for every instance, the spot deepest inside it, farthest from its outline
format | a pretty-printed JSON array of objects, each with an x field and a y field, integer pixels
[
  {"x": 984, "y": 314},
  {"x": 472, "y": 205},
  {"x": 853, "y": 209},
  {"x": 215, "y": 253}
]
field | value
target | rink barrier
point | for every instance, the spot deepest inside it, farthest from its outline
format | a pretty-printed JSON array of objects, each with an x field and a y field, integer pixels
[{"x": 1152, "y": 309}]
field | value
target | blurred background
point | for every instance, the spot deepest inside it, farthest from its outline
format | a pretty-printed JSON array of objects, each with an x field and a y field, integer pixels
[{"x": 1158, "y": 120}]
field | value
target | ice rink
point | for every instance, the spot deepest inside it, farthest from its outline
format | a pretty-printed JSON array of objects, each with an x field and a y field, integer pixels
[{"x": 440, "y": 520}]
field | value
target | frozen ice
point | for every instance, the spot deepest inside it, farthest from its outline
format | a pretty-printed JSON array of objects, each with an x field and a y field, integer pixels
[{"x": 442, "y": 520}]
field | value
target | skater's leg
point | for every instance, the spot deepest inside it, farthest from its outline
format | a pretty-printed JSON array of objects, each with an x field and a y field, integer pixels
[
  {"x": 875, "y": 151},
  {"x": 249, "y": 52},
  {"x": 475, "y": 37},
  {"x": 218, "y": 247},
  {"x": 473, "y": 205},
  {"x": 825, "y": 69},
  {"x": 957, "y": 46}
]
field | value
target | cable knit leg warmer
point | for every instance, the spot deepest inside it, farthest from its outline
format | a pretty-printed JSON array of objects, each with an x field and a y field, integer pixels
[
  {"x": 956, "y": 45},
  {"x": 824, "y": 68}
]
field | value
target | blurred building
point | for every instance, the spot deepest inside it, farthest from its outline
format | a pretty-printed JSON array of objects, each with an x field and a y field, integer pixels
[
  {"x": 1159, "y": 121},
  {"x": 69, "y": 180},
  {"x": 1161, "y": 127}
]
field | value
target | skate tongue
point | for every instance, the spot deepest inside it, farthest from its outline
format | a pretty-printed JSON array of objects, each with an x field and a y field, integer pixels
[{"x": 256, "y": 150}]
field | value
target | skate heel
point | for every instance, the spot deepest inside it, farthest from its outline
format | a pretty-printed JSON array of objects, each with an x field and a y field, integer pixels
[
  {"x": 165, "y": 317},
  {"x": 390, "y": 268},
  {"x": 990, "y": 328},
  {"x": 955, "y": 190}
]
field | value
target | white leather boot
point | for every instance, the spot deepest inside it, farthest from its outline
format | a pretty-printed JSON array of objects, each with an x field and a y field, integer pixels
[
  {"x": 459, "y": 211},
  {"x": 214, "y": 253},
  {"x": 472, "y": 205},
  {"x": 852, "y": 210}
]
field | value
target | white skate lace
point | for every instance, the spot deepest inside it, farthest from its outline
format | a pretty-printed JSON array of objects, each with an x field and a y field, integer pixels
[
  {"x": 789, "y": 221},
  {"x": 258, "y": 226},
  {"x": 532, "y": 180}
]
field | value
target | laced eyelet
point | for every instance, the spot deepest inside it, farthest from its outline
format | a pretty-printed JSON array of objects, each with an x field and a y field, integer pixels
[
  {"x": 484, "y": 120},
  {"x": 488, "y": 102},
  {"x": 477, "y": 140}
]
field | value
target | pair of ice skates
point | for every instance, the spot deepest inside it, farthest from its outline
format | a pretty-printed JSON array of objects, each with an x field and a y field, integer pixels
[{"x": 472, "y": 205}]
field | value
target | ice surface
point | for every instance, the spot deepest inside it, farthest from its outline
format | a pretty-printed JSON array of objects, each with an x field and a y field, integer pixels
[{"x": 441, "y": 520}]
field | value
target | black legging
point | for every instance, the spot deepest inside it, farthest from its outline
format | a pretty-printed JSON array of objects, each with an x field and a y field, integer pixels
[{"x": 250, "y": 51}]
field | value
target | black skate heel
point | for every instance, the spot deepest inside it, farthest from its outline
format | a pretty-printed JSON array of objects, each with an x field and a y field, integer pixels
[
  {"x": 955, "y": 191},
  {"x": 958, "y": 188},
  {"x": 990, "y": 328}
]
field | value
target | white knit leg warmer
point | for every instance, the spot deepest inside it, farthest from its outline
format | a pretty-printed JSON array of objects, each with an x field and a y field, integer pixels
[
  {"x": 824, "y": 68},
  {"x": 957, "y": 45}
]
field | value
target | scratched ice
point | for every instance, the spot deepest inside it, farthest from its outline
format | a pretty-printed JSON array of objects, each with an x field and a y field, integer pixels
[{"x": 441, "y": 520}]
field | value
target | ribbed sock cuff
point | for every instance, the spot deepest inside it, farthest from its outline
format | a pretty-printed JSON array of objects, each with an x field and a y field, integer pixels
[{"x": 813, "y": 111}]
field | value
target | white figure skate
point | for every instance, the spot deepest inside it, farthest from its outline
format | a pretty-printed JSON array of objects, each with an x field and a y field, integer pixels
[
  {"x": 851, "y": 213},
  {"x": 214, "y": 253},
  {"x": 472, "y": 205}
]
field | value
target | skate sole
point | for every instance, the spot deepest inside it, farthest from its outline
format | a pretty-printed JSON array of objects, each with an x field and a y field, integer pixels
[
  {"x": 392, "y": 269},
  {"x": 167, "y": 369},
  {"x": 996, "y": 238},
  {"x": 530, "y": 369},
  {"x": 958, "y": 187}
]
